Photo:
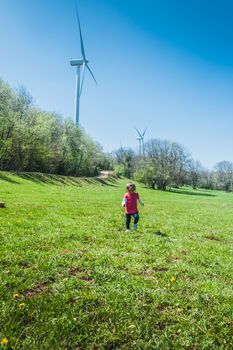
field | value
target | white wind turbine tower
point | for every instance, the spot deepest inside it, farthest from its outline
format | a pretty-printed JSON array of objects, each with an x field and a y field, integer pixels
[
  {"x": 81, "y": 65},
  {"x": 140, "y": 140}
]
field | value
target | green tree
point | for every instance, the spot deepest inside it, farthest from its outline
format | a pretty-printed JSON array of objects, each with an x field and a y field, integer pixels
[
  {"x": 165, "y": 164},
  {"x": 35, "y": 140},
  {"x": 125, "y": 158}
]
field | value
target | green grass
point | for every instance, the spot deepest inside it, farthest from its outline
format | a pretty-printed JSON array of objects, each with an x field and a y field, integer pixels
[{"x": 83, "y": 283}]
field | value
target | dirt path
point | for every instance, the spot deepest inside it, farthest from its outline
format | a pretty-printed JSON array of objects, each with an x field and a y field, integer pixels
[{"x": 104, "y": 174}]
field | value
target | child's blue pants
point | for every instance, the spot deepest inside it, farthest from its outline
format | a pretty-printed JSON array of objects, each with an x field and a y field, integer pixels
[{"x": 128, "y": 219}]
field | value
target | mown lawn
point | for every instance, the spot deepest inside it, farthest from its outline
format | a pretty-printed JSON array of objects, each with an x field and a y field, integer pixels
[{"x": 71, "y": 278}]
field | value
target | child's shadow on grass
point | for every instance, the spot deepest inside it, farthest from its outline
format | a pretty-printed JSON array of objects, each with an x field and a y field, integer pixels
[{"x": 160, "y": 233}]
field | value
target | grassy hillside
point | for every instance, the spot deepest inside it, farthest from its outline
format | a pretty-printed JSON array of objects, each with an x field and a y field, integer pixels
[{"x": 71, "y": 278}]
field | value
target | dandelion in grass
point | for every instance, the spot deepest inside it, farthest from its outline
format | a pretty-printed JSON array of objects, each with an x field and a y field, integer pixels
[
  {"x": 4, "y": 341},
  {"x": 172, "y": 280},
  {"x": 65, "y": 279},
  {"x": 16, "y": 296},
  {"x": 22, "y": 305}
]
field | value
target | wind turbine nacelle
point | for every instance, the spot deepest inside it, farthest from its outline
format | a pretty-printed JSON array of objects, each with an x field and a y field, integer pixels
[{"x": 75, "y": 62}]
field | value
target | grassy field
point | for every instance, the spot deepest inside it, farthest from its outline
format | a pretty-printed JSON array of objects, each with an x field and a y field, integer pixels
[{"x": 71, "y": 278}]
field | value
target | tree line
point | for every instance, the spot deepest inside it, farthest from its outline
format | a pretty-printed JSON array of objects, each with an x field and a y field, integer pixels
[
  {"x": 34, "y": 140},
  {"x": 165, "y": 164},
  {"x": 38, "y": 141}
]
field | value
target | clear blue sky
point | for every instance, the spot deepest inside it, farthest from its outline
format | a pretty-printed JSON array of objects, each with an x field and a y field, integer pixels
[{"x": 166, "y": 65}]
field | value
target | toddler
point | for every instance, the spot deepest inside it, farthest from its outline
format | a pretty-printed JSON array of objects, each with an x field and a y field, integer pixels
[{"x": 129, "y": 202}]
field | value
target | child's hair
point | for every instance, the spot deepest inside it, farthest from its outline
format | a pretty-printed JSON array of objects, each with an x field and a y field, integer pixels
[{"x": 130, "y": 186}]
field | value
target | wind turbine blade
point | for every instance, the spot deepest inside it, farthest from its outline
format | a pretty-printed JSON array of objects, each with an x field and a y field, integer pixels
[
  {"x": 91, "y": 73},
  {"x": 144, "y": 132},
  {"x": 138, "y": 132},
  {"x": 83, "y": 73},
  {"x": 80, "y": 34}
]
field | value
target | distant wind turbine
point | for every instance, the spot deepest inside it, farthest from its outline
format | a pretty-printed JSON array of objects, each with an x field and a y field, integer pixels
[
  {"x": 80, "y": 63},
  {"x": 140, "y": 140}
]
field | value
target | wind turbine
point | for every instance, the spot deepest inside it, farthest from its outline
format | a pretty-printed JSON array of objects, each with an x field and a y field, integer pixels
[
  {"x": 81, "y": 65},
  {"x": 140, "y": 140}
]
